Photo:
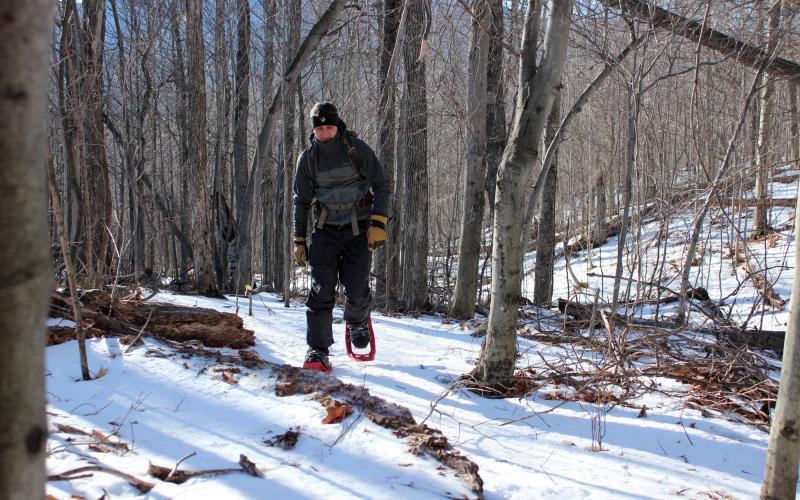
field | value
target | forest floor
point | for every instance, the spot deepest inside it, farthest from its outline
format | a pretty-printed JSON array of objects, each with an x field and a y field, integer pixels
[{"x": 593, "y": 418}]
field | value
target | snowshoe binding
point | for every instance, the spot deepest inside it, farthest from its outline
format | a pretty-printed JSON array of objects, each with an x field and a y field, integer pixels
[
  {"x": 317, "y": 359},
  {"x": 360, "y": 336}
]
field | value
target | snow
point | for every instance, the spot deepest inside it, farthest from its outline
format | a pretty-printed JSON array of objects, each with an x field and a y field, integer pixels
[
  {"x": 524, "y": 447},
  {"x": 717, "y": 272},
  {"x": 167, "y": 407}
]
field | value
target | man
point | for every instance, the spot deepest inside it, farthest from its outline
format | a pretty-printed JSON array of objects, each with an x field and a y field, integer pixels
[{"x": 341, "y": 178}]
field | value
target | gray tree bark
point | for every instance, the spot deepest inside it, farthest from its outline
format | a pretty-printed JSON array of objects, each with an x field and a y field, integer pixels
[
  {"x": 241, "y": 115},
  {"x": 495, "y": 101},
  {"x": 67, "y": 98},
  {"x": 96, "y": 179},
  {"x": 204, "y": 280},
  {"x": 221, "y": 218},
  {"x": 415, "y": 224},
  {"x": 469, "y": 245},
  {"x": 387, "y": 264},
  {"x": 783, "y": 454},
  {"x": 293, "y": 13},
  {"x": 633, "y": 101},
  {"x": 267, "y": 177},
  {"x": 546, "y": 234},
  {"x": 767, "y": 110},
  {"x": 600, "y": 223},
  {"x": 26, "y": 28},
  {"x": 538, "y": 88}
]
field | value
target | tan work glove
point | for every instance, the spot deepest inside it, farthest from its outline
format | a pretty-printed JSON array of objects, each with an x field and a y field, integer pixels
[
  {"x": 376, "y": 234},
  {"x": 300, "y": 251}
]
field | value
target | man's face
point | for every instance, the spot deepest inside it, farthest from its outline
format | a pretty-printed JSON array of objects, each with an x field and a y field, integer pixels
[{"x": 325, "y": 132}]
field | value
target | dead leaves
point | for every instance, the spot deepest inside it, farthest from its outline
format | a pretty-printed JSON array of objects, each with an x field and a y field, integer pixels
[
  {"x": 101, "y": 444},
  {"x": 285, "y": 441},
  {"x": 336, "y": 414},
  {"x": 68, "y": 429}
]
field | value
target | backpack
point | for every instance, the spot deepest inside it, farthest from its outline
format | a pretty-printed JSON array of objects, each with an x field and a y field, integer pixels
[{"x": 355, "y": 162}]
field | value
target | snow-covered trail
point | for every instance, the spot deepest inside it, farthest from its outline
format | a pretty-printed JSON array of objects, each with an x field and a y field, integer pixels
[{"x": 168, "y": 407}]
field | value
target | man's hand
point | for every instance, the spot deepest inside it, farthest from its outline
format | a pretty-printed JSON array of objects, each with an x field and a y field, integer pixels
[
  {"x": 300, "y": 251},
  {"x": 376, "y": 234}
]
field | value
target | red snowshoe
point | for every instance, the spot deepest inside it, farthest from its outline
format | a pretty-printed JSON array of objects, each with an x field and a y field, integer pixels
[
  {"x": 317, "y": 359},
  {"x": 360, "y": 357}
]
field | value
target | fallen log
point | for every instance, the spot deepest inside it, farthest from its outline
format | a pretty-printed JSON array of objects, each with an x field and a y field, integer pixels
[
  {"x": 755, "y": 202},
  {"x": 327, "y": 390},
  {"x": 170, "y": 321},
  {"x": 762, "y": 284},
  {"x": 757, "y": 339}
]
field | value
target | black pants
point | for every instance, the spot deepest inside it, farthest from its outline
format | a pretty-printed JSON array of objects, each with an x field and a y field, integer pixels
[{"x": 337, "y": 256}]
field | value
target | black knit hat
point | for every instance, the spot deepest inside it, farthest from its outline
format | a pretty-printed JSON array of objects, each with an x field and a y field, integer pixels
[{"x": 324, "y": 113}]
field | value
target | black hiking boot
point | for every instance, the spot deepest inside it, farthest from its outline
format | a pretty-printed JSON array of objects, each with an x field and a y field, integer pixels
[
  {"x": 317, "y": 359},
  {"x": 360, "y": 335}
]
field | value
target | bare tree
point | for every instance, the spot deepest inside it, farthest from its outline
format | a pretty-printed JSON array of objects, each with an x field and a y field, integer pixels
[
  {"x": 241, "y": 117},
  {"x": 26, "y": 29},
  {"x": 414, "y": 266},
  {"x": 766, "y": 112},
  {"x": 546, "y": 234},
  {"x": 198, "y": 157},
  {"x": 96, "y": 180},
  {"x": 469, "y": 245},
  {"x": 783, "y": 454},
  {"x": 387, "y": 260},
  {"x": 495, "y": 100},
  {"x": 538, "y": 87}
]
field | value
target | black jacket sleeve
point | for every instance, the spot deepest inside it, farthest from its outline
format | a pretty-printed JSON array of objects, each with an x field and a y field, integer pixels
[
  {"x": 371, "y": 169},
  {"x": 303, "y": 194}
]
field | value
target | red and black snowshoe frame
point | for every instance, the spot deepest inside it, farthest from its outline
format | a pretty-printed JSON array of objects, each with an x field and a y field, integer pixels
[
  {"x": 367, "y": 356},
  {"x": 319, "y": 366},
  {"x": 359, "y": 357}
]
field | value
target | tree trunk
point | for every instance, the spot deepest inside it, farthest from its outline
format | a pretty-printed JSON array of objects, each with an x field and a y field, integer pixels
[
  {"x": 71, "y": 122},
  {"x": 600, "y": 232},
  {"x": 414, "y": 269},
  {"x": 241, "y": 115},
  {"x": 783, "y": 454},
  {"x": 292, "y": 15},
  {"x": 546, "y": 234},
  {"x": 26, "y": 29},
  {"x": 633, "y": 99},
  {"x": 495, "y": 101},
  {"x": 204, "y": 280},
  {"x": 765, "y": 125},
  {"x": 538, "y": 88},
  {"x": 268, "y": 175},
  {"x": 221, "y": 220},
  {"x": 181, "y": 118},
  {"x": 98, "y": 185},
  {"x": 469, "y": 245},
  {"x": 387, "y": 258}
]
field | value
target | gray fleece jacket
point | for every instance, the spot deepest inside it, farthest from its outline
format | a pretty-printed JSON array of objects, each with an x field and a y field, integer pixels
[{"x": 334, "y": 173}]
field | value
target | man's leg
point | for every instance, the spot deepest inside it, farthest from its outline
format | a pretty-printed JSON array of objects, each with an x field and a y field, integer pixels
[
  {"x": 324, "y": 261},
  {"x": 354, "y": 275}
]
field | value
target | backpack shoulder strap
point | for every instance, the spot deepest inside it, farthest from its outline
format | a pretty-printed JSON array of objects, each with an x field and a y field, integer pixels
[
  {"x": 311, "y": 159},
  {"x": 352, "y": 152}
]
